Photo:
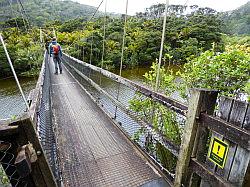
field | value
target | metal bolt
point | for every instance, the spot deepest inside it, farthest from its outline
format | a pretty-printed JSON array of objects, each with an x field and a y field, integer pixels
[{"x": 38, "y": 153}]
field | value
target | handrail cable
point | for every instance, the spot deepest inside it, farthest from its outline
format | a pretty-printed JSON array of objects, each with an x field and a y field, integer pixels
[{"x": 14, "y": 73}]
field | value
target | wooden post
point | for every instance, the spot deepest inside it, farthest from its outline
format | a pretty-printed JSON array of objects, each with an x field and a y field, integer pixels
[
  {"x": 41, "y": 172},
  {"x": 201, "y": 100}
]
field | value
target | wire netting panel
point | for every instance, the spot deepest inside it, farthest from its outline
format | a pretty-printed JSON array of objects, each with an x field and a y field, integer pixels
[
  {"x": 117, "y": 99},
  {"x": 45, "y": 126},
  {"x": 9, "y": 175}
]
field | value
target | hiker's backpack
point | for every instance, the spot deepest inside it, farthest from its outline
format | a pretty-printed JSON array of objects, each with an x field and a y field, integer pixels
[{"x": 56, "y": 49}]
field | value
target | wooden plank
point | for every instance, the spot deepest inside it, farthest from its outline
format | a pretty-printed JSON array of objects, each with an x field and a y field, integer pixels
[
  {"x": 238, "y": 113},
  {"x": 37, "y": 92},
  {"x": 225, "y": 110},
  {"x": 225, "y": 107},
  {"x": 233, "y": 133},
  {"x": 246, "y": 124},
  {"x": 242, "y": 156},
  {"x": 202, "y": 136},
  {"x": 8, "y": 130},
  {"x": 208, "y": 176},
  {"x": 236, "y": 154},
  {"x": 199, "y": 98},
  {"x": 15, "y": 121}
]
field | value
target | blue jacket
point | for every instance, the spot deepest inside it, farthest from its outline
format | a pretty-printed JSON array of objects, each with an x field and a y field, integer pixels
[{"x": 51, "y": 49}]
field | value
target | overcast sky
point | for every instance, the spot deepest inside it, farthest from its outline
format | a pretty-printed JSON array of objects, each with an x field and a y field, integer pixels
[{"x": 118, "y": 6}]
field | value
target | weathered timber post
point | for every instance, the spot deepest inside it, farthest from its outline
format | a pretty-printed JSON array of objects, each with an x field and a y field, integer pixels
[
  {"x": 202, "y": 100},
  {"x": 41, "y": 171}
]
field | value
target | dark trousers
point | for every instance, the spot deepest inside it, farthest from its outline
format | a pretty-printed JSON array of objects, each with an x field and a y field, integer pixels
[{"x": 57, "y": 62}]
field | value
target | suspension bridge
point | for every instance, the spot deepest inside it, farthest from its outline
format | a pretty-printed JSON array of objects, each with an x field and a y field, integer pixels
[{"x": 79, "y": 130}]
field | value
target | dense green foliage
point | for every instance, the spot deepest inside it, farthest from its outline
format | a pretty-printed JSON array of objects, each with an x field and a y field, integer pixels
[
  {"x": 228, "y": 72},
  {"x": 41, "y": 11},
  {"x": 187, "y": 36},
  {"x": 25, "y": 53},
  {"x": 237, "y": 21},
  {"x": 210, "y": 59}
]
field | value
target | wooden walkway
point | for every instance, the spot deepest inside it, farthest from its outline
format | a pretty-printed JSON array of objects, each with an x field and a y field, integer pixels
[{"x": 92, "y": 151}]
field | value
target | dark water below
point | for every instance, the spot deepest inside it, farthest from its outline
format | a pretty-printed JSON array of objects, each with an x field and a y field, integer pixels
[{"x": 11, "y": 102}]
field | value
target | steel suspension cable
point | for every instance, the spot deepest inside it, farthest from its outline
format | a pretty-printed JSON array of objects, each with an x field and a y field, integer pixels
[
  {"x": 91, "y": 49},
  {"x": 122, "y": 55},
  {"x": 24, "y": 11},
  {"x": 12, "y": 12},
  {"x": 13, "y": 71},
  {"x": 91, "y": 17},
  {"x": 162, "y": 46},
  {"x": 95, "y": 12},
  {"x": 124, "y": 37},
  {"x": 104, "y": 33},
  {"x": 20, "y": 10}
]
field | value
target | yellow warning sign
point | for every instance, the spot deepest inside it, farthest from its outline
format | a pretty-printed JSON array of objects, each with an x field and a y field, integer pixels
[{"x": 218, "y": 152}]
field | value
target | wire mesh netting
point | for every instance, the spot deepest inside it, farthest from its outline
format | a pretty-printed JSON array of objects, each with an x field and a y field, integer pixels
[
  {"x": 9, "y": 175},
  {"x": 13, "y": 105},
  {"x": 136, "y": 113},
  {"x": 45, "y": 125}
]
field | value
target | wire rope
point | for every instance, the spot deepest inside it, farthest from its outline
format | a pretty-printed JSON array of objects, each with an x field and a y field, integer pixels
[
  {"x": 123, "y": 38},
  {"x": 122, "y": 55},
  {"x": 12, "y": 12},
  {"x": 104, "y": 33},
  {"x": 162, "y": 47},
  {"x": 20, "y": 11},
  {"x": 91, "y": 48},
  {"x": 93, "y": 15},
  {"x": 24, "y": 12},
  {"x": 14, "y": 73}
]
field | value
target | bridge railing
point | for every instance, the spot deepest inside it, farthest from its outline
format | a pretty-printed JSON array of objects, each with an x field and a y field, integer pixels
[
  {"x": 199, "y": 122},
  {"x": 117, "y": 95},
  {"x": 25, "y": 149},
  {"x": 41, "y": 114}
]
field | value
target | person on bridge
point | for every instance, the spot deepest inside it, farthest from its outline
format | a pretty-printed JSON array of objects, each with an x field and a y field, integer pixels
[{"x": 55, "y": 51}]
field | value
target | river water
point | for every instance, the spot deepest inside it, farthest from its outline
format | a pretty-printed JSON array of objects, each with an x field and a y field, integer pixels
[{"x": 11, "y": 102}]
